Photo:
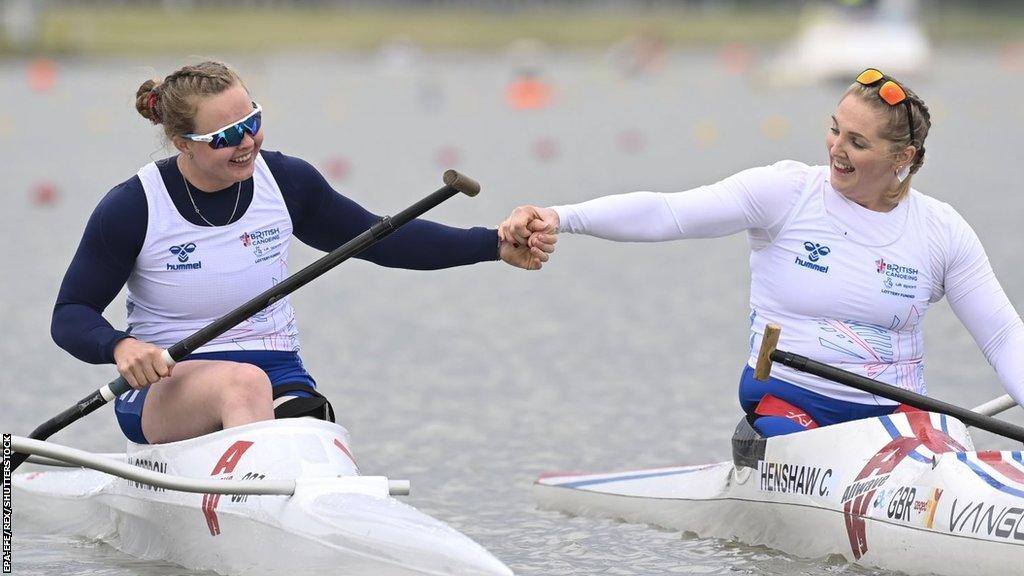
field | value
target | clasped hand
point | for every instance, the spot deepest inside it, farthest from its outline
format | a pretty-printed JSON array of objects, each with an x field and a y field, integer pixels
[{"x": 528, "y": 236}]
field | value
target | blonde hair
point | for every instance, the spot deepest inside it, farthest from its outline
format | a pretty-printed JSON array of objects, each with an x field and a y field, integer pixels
[
  {"x": 174, "y": 101},
  {"x": 897, "y": 128}
]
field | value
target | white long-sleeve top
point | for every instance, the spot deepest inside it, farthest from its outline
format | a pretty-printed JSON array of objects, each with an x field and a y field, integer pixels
[{"x": 850, "y": 286}]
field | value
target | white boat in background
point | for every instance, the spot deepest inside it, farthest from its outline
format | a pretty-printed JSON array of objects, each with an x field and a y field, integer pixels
[
  {"x": 839, "y": 43},
  {"x": 336, "y": 522},
  {"x": 904, "y": 492}
]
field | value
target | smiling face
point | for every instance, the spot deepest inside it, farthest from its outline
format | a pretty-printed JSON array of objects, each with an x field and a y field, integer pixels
[
  {"x": 209, "y": 169},
  {"x": 863, "y": 163}
]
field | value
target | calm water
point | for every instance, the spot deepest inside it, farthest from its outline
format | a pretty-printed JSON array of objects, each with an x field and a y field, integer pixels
[{"x": 471, "y": 382}]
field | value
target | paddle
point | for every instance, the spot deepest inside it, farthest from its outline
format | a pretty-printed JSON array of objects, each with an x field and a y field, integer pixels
[
  {"x": 453, "y": 184},
  {"x": 995, "y": 405},
  {"x": 769, "y": 354}
]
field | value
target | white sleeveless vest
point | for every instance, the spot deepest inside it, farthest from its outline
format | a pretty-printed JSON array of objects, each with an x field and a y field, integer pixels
[
  {"x": 850, "y": 288},
  {"x": 187, "y": 276}
]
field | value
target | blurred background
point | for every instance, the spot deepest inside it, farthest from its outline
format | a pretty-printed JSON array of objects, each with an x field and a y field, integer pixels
[{"x": 471, "y": 382}]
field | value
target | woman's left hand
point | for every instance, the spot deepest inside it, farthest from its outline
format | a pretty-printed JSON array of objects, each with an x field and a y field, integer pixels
[{"x": 529, "y": 255}]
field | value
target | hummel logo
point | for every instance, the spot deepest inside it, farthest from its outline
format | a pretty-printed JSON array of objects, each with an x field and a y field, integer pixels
[
  {"x": 815, "y": 251},
  {"x": 182, "y": 251}
]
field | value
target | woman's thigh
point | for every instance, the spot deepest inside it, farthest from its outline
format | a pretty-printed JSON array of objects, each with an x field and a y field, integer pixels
[{"x": 198, "y": 396}]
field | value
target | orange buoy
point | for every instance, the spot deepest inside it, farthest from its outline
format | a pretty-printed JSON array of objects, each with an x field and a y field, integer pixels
[{"x": 528, "y": 93}]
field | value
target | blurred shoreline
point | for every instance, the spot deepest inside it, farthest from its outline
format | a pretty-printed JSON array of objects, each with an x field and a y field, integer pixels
[{"x": 134, "y": 30}]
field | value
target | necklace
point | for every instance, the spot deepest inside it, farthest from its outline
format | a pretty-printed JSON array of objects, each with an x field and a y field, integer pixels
[{"x": 238, "y": 195}]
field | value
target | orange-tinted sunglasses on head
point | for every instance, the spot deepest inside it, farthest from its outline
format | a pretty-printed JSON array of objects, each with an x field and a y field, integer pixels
[{"x": 890, "y": 92}]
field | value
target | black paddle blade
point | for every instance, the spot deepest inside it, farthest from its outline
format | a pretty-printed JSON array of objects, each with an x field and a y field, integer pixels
[{"x": 84, "y": 406}]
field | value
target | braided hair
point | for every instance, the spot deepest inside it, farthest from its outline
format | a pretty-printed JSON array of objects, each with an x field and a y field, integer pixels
[
  {"x": 896, "y": 129},
  {"x": 174, "y": 101}
]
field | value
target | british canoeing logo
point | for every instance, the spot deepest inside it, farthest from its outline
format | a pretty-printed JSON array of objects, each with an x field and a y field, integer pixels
[
  {"x": 265, "y": 243},
  {"x": 815, "y": 252},
  {"x": 898, "y": 280},
  {"x": 182, "y": 251}
]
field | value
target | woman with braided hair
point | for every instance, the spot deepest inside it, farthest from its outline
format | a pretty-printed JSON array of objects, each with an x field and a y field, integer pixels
[
  {"x": 846, "y": 257},
  {"x": 199, "y": 233}
]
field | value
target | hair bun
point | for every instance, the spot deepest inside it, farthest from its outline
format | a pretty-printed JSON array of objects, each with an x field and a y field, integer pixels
[{"x": 147, "y": 99}]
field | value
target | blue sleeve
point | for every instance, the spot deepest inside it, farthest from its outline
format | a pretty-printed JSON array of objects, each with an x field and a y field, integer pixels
[
  {"x": 324, "y": 219},
  {"x": 105, "y": 257}
]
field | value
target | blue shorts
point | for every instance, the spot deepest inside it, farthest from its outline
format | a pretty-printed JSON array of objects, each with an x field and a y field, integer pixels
[
  {"x": 823, "y": 409},
  {"x": 281, "y": 368}
]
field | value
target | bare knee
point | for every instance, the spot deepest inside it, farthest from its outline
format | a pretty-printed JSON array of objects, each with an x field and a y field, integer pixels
[{"x": 245, "y": 395}]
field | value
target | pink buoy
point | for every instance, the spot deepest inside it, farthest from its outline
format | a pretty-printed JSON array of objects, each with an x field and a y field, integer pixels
[
  {"x": 631, "y": 141},
  {"x": 1012, "y": 56},
  {"x": 447, "y": 156},
  {"x": 737, "y": 58},
  {"x": 337, "y": 168},
  {"x": 42, "y": 75},
  {"x": 44, "y": 194},
  {"x": 545, "y": 149}
]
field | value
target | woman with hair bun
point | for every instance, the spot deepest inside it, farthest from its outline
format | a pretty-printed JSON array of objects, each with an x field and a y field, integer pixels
[
  {"x": 197, "y": 234},
  {"x": 846, "y": 257}
]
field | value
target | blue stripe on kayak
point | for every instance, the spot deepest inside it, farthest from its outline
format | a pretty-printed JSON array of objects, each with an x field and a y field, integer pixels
[
  {"x": 593, "y": 481},
  {"x": 894, "y": 434},
  {"x": 889, "y": 426},
  {"x": 945, "y": 428},
  {"x": 962, "y": 456},
  {"x": 1017, "y": 457}
]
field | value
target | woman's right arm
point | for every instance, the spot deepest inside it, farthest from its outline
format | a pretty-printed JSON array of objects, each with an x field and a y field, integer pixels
[{"x": 104, "y": 260}]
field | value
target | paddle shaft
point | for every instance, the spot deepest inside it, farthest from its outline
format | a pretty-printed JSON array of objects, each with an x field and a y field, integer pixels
[
  {"x": 805, "y": 364},
  {"x": 454, "y": 183},
  {"x": 995, "y": 405}
]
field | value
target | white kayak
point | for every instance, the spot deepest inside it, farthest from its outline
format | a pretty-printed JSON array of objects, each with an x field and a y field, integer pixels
[
  {"x": 337, "y": 522},
  {"x": 904, "y": 492}
]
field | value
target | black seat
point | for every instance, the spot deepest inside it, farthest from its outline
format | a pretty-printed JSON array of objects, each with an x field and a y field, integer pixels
[{"x": 747, "y": 445}]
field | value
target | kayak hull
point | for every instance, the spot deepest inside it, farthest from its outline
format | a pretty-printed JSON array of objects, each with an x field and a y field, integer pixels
[
  {"x": 336, "y": 522},
  {"x": 902, "y": 492}
]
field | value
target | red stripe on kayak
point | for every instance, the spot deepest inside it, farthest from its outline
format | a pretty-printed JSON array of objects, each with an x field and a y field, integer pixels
[
  {"x": 934, "y": 439},
  {"x": 344, "y": 449},
  {"x": 995, "y": 460},
  {"x": 226, "y": 465},
  {"x": 882, "y": 463},
  {"x": 856, "y": 527},
  {"x": 210, "y": 502}
]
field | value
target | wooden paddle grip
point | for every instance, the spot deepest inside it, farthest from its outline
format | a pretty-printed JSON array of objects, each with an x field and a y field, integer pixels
[
  {"x": 764, "y": 356},
  {"x": 461, "y": 182}
]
